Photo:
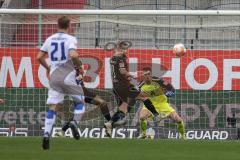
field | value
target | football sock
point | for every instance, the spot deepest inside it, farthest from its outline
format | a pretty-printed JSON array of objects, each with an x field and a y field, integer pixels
[
  {"x": 181, "y": 129},
  {"x": 79, "y": 109},
  {"x": 63, "y": 122},
  {"x": 49, "y": 122},
  {"x": 105, "y": 111},
  {"x": 143, "y": 126},
  {"x": 117, "y": 116}
]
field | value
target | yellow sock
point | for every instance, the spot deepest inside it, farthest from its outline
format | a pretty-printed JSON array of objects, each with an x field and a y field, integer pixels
[
  {"x": 143, "y": 126},
  {"x": 181, "y": 129}
]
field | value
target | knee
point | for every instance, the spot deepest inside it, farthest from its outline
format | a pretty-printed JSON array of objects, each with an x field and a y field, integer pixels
[
  {"x": 103, "y": 103},
  {"x": 54, "y": 107},
  {"x": 99, "y": 101},
  {"x": 142, "y": 117},
  {"x": 174, "y": 116},
  {"x": 178, "y": 119}
]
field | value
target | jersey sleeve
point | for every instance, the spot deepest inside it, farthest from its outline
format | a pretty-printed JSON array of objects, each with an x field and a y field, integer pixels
[
  {"x": 158, "y": 80},
  {"x": 140, "y": 84},
  {"x": 164, "y": 84},
  {"x": 44, "y": 47},
  {"x": 73, "y": 44}
]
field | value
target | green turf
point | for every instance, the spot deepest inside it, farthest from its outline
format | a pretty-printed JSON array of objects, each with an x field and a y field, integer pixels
[{"x": 117, "y": 149}]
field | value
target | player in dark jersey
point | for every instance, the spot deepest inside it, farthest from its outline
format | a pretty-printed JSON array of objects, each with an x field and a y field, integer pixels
[{"x": 123, "y": 88}]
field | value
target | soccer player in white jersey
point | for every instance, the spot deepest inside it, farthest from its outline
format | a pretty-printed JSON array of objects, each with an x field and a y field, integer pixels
[{"x": 61, "y": 49}]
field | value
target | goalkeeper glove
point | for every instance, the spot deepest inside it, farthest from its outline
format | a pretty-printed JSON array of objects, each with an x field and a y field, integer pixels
[{"x": 169, "y": 93}]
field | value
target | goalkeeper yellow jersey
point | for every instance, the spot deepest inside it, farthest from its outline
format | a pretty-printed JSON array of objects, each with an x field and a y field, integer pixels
[{"x": 155, "y": 92}]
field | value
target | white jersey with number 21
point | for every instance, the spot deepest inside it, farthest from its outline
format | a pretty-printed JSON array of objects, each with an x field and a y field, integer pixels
[{"x": 58, "y": 46}]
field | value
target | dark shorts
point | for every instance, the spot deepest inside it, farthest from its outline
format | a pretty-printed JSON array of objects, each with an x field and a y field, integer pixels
[
  {"x": 125, "y": 93},
  {"x": 89, "y": 95}
]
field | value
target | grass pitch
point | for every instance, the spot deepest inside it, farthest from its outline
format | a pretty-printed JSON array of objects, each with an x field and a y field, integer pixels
[{"x": 117, "y": 149}]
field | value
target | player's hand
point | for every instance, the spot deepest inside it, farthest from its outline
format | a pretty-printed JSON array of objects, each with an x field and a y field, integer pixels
[
  {"x": 130, "y": 77},
  {"x": 79, "y": 75},
  {"x": 169, "y": 93},
  {"x": 79, "y": 79},
  {"x": 134, "y": 88},
  {"x": 2, "y": 101}
]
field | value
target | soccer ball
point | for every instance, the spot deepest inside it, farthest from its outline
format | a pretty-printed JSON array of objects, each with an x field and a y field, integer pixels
[{"x": 179, "y": 50}]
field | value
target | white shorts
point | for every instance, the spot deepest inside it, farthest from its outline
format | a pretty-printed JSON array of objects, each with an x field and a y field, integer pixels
[{"x": 56, "y": 97}]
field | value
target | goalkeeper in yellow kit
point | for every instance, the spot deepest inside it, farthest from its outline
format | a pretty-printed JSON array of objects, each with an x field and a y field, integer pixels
[{"x": 158, "y": 90}]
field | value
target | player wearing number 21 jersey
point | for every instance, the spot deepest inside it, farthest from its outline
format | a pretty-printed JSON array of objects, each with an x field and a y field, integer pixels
[
  {"x": 64, "y": 67},
  {"x": 57, "y": 47}
]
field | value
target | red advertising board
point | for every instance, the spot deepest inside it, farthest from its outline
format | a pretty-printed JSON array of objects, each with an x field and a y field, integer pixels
[{"x": 198, "y": 69}]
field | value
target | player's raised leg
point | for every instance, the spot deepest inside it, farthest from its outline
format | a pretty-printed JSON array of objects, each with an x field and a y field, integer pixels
[
  {"x": 79, "y": 109},
  {"x": 98, "y": 101},
  {"x": 117, "y": 119}
]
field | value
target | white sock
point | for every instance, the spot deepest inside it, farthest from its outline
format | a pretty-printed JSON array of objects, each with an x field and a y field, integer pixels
[
  {"x": 63, "y": 122},
  {"x": 77, "y": 117},
  {"x": 79, "y": 109},
  {"x": 49, "y": 122}
]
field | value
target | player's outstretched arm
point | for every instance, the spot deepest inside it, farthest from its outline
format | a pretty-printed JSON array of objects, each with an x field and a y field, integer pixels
[
  {"x": 169, "y": 89},
  {"x": 125, "y": 72}
]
